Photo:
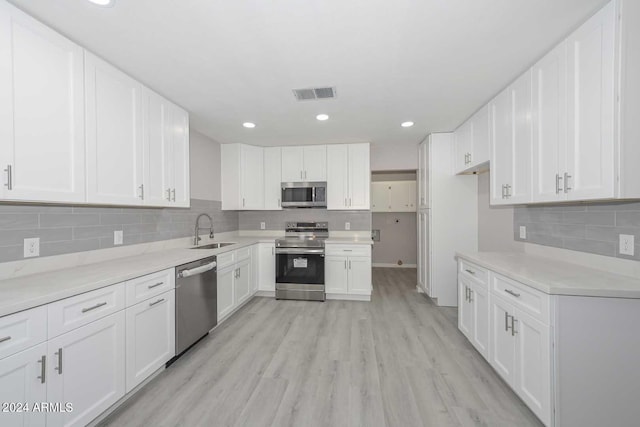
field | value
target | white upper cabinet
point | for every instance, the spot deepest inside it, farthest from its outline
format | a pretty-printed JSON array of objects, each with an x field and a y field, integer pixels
[
  {"x": 393, "y": 196},
  {"x": 41, "y": 112},
  {"x": 472, "y": 143},
  {"x": 179, "y": 158},
  {"x": 463, "y": 147},
  {"x": 307, "y": 163},
  {"x": 242, "y": 177},
  {"x": 272, "y": 178},
  {"x": 156, "y": 150},
  {"x": 348, "y": 177},
  {"x": 114, "y": 135}
]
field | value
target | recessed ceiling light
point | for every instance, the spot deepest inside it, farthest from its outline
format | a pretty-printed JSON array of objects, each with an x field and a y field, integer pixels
[
  {"x": 322, "y": 117},
  {"x": 103, "y": 3},
  {"x": 406, "y": 124},
  {"x": 249, "y": 125}
]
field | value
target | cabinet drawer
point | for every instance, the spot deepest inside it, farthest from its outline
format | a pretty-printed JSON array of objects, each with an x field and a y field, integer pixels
[
  {"x": 469, "y": 269},
  {"x": 524, "y": 297},
  {"x": 22, "y": 330},
  {"x": 348, "y": 250},
  {"x": 71, "y": 313},
  {"x": 145, "y": 287},
  {"x": 243, "y": 253},
  {"x": 225, "y": 259}
]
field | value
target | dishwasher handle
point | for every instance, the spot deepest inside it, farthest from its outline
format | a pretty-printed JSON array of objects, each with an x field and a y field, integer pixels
[{"x": 197, "y": 270}]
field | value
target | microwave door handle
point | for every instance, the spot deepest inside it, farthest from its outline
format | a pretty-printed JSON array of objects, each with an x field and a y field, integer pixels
[{"x": 313, "y": 194}]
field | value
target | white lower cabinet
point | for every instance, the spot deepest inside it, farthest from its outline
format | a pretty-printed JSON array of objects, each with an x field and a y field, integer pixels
[
  {"x": 236, "y": 279},
  {"x": 473, "y": 313},
  {"x": 502, "y": 355},
  {"x": 86, "y": 367},
  {"x": 226, "y": 277},
  {"x": 348, "y": 270},
  {"x": 150, "y": 337},
  {"x": 242, "y": 284},
  {"x": 22, "y": 382},
  {"x": 266, "y": 271},
  {"x": 335, "y": 274}
]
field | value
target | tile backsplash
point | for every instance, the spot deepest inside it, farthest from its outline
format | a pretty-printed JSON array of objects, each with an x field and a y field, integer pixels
[
  {"x": 585, "y": 227},
  {"x": 67, "y": 229},
  {"x": 275, "y": 220}
]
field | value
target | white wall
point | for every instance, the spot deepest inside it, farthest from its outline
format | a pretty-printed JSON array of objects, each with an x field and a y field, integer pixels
[
  {"x": 394, "y": 157},
  {"x": 205, "y": 167},
  {"x": 495, "y": 223}
]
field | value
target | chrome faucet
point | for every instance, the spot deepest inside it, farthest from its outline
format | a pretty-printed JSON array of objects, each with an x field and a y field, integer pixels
[{"x": 196, "y": 238}]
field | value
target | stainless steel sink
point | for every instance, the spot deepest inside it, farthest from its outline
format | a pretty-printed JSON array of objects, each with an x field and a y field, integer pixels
[{"x": 213, "y": 246}]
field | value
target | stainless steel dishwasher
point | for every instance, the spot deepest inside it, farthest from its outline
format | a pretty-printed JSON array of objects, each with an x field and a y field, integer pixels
[{"x": 196, "y": 301}]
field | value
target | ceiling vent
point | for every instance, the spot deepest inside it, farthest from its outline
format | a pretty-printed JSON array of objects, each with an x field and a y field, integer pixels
[{"x": 315, "y": 93}]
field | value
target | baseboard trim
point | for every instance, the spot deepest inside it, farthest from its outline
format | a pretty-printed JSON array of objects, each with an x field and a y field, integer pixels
[
  {"x": 349, "y": 297},
  {"x": 392, "y": 265},
  {"x": 271, "y": 294}
]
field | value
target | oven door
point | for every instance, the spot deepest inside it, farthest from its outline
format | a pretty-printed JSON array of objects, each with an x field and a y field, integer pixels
[{"x": 300, "y": 266}]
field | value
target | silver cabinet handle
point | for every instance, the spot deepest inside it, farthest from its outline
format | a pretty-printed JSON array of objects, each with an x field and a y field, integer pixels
[
  {"x": 141, "y": 188},
  {"x": 566, "y": 182},
  {"x": 151, "y": 304},
  {"x": 503, "y": 191},
  {"x": 7, "y": 338},
  {"x": 506, "y": 321},
  {"x": 513, "y": 329},
  {"x": 470, "y": 295},
  {"x": 43, "y": 369},
  {"x": 173, "y": 191},
  {"x": 470, "y": 271},
  {"x": 345, "y": 264},
  {"x": 155, "y": 286},
  {"x": 510, "y": 292},
  {"x": 558, "y": 179},
  {"x": 466, "y": 293},
  {"x": 349, "y": 264},
  {"x": 59, "y": 367},
  {"x": 100, "y": 304},
  {"x": 9, "y": 183},
  {"x": 168, "y": 194},
  {"x": 508, "y": 188}
]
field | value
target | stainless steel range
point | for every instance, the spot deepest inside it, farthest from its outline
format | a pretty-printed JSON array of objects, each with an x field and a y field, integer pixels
[{"x": 300, "y": 261}]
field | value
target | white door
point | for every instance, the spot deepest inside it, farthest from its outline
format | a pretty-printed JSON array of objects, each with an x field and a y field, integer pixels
[
  {"x": 252, "y": 177},
  {"x": 549, "y": 118},
  {"x": 114, "y": 135},
  {"x": 272, "y": 178},
  {"x": 502, "y": 353},
  {"x": 519, "y": 190},
  {"x": 359, "y": 176},
  {"x": 41, "y": 112},
  {"x": 338, "y": 177},
  {"x": 480, "y": 136},
  {"x": 465, "y": 309},
  {"x": 336, "y": 274},
  {"x": 500, "y": 172},
  {"x": 156, "y": 162},
  {"x": 380, "y": 197},
  {"x": 359, "y": 275},
  {"x": 267, "y": 267},
  {"x": 86, "y": 367},
  {"x": 533, "y": 367},
  {"x": 315, "y": 163},
  {"x": 150, "y": 337},
  {"x": 292, "y": 164},
  {"x": 22, "y": 381},
  {"x": 180, "y": 191},
  {"x": 590, "y": 171},
  {"x": 242, "y": 284},
  {"x": 480, "y": 332},
  {"x": 226, "y": 277},
  {"x": 463, "y": 147}
]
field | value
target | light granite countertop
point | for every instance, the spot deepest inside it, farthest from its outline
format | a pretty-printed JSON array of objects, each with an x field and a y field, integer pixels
[
  {"x": 21, "y": 293},
  {"x": 556, "y": 277}
]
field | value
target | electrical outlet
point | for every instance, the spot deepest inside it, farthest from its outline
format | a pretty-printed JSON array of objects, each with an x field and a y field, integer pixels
[
  {"x": 627, "y": 242},
  {"x": 263, "y": 225},
  {"x": 31, "y": 247},
  {"x": 523, "y": 232},
  {"x": 118, "y": 237},
  {"x": 347, "y": 226}
]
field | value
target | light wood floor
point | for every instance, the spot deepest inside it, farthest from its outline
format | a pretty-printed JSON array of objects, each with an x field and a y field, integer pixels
[{"x": 396, "y": 361}]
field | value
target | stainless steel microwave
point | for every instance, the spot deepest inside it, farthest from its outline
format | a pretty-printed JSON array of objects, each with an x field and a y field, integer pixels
[{"x": 304, "y": 194}]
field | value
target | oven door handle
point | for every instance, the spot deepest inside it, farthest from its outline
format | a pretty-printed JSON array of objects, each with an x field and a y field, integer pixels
[{"x": 298, "y": 251}]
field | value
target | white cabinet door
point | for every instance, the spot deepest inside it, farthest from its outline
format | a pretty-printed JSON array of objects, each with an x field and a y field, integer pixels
[
  {"x": 591, "y": 112},
  {"x": 181, "y": 188},
  {"x": 359, "y": 177},
  {"x": 380, "y": 197},
  {"x": 359, "y": 275},
  {"x": 114, "y": 134},
  {"x": 502, "y": 353},
  {"x": 480, "y": 303},
  {"x": 272, "y": 178},
  {"x": 501, "y": 146},
  {"x": 226, "y": 278},
  {"x": 267, "y": 267},
  {"x": 87, "y": 368},
  {"x": 252, "y": 177},
  {"x": 336, "y": 274},
  {"x": 22, "y": 381},
  {"x": 338, "y": 177},
  {"x": 156, "y": 162},
  {"x": 242, "y": 284},
  {"x": 465, "y": 309},
  {"x": 292, "y": 164},
  {"x": 533, "y": 367},
  {"x": 41, "y": 112},
  {"x": 463, "y": 147},
  {"x": 519, "y": 190},
  {"x": 315, "y": 163},
  {"x": 150, "y": 337},
  {"x": 549, "y": 97},
  {"x": 403, "y": 196},
  {"x": 480, "y": 137}
]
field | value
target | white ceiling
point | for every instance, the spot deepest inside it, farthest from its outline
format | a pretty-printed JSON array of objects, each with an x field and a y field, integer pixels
[{"x": 229, "y": 61}]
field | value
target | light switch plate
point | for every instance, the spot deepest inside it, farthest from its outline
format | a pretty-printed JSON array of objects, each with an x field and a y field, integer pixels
[
  {"x": 627, "y": 244},
  {"x": 118, "y": 237},
  {"x": 523, "y": 232},
  {"x": 347, "y": 226},
  {"x": 263, "y": 225},
  {"x": 32, "y": 247}
]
